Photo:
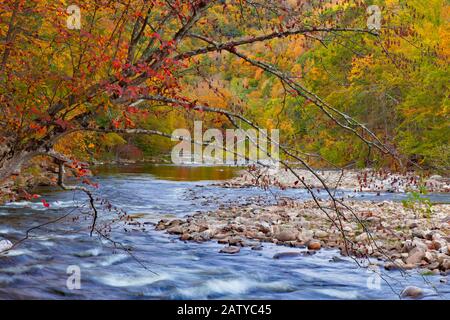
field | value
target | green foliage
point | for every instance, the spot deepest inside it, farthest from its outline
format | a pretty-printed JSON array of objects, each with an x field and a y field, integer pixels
[{"x": 418, "y": 203}]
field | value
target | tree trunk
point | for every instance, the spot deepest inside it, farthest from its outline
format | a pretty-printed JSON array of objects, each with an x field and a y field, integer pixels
[{"x": 11, "y": 162}]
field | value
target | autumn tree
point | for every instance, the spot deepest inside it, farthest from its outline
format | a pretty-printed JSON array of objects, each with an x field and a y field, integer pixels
[{"x": 130, "y": 57}]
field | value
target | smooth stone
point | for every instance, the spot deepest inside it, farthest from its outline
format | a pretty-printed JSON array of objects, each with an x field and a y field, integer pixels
[
  {"x": 230, "y": 250},
  {"x": 282, "y": 255},
  {"x": 257, "y": 247},
  {"x": 314, "y": 245},
  {"x": 286, "y": 235},
  {"x": 415, "y": 256},
  {"x": 320, "y": 234}
]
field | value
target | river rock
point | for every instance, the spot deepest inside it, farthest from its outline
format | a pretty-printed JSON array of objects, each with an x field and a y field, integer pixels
[
  {"x": 413, "y": 225},
  {"x": 185, "y": 237},
  {"x": 419, "y": 244},
  {"x": 445, "y": 265},
  {"x": 314, "y": 245},
  {"x": 283, "y": 255},
  {"x": 415, "y": 256},
  {"x": 305, "y": 235},
  {"x": 257, "y": 247},
  {"x": 362, "y": 237},
  {"x": 392, "y": 266},
  {"x": 412, "y": 292},
  {"x": 435, "y": 245},
  {"x": 286, "y": 235},
  {"x": 230, "y": 250},
  {"x": 263, "y": 227},
  {"x": 5, "y": 245},
  {"x": 175, "y": 230},
  {"x": 428, "y": 257},
  {"x": 416, "y": 233},
  {"x": 235, "y": 241},
  {"x": 320, "y": 234}
]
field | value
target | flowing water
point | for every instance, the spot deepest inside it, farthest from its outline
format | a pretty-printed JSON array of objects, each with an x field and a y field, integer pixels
[{"x": 161, "y": 266}]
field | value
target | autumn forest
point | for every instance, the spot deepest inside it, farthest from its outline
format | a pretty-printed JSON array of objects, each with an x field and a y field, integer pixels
[{"x": 91, "y": 92}]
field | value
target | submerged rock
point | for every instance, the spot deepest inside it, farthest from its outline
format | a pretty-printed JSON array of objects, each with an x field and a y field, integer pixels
[
  {"x": 230, "y": 250},
  {"x": 283, "y": 255}
]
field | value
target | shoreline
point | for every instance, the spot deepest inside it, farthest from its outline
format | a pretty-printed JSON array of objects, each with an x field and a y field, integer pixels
[
  {"x": 410, "y": 235},
  {"x": 364, "y": 180},
  {"x": 397, "y": 237}
]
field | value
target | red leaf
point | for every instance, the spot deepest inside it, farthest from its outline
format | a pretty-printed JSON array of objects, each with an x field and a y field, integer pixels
[{"x": 45, "y": 203}]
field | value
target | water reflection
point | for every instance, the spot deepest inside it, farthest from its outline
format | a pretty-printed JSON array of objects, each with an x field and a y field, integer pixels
[{"x": 171, "y": 172}]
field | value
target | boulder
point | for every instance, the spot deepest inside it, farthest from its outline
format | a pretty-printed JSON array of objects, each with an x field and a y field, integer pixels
[
  {"x": 415, "y": 256},
  {"x": 286, "y": 235}
]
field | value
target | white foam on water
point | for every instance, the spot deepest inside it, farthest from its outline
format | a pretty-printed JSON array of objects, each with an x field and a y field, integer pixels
[
  {"x": 328, "y": 277},
  {"x": 339, "y": 294},
  {"x": 7, "y": 230},
  {"x": 20, "y": 269},
  {"x": 17, "y": 252},
  {"x": 110, "y": 260},
  {"x": 132, "y": 281},
  {"x": 89, "y": 253},
  {"x": 233, "y": 287},
  {"x": 39, "y": 206}
]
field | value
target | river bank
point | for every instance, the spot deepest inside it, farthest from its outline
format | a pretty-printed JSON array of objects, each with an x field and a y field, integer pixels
[
  {"x": 355, "y": 180},
  {"x": 400, "y": 235},
  {"x": 395, "y": 235},
  {"x": 37, "y": 268}
]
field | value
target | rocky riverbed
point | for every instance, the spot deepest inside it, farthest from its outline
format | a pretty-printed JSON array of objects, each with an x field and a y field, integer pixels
[
  {"x": 398, "y": 237},
  {"x": 354, "y": 180}
]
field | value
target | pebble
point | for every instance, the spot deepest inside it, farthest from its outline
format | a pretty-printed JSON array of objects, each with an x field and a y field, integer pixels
[{"x": 409, "y": 241}]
